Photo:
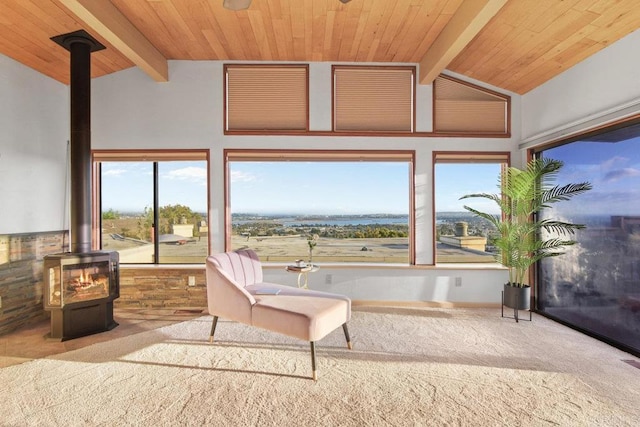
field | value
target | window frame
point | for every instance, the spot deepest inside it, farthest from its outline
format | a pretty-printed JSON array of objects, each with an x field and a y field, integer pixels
[
  {"x": 140, "y": 155},
  {"x": 460, "y": 157},
  {"x": 411, "y": 69},
  {"x": 505, "y": 98},
  {"x": 231, "y": 155},
  {"x": 257, "y": 67},
  {"x": 607, "y": 128}
]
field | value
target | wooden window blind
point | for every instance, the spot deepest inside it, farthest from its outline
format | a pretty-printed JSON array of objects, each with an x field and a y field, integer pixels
[
  {"x": 265, "y": 97},
  {"x": 148, "y": 155},
  {"x": 465, "y": 108},
  {"x": 471, "y": 157},
  {"x": 373, "y": 98}
]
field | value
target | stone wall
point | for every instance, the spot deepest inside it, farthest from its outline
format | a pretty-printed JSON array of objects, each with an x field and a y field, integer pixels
[
  {"x": 162, "y": 287},
  {"x": 21, "y": 280}
]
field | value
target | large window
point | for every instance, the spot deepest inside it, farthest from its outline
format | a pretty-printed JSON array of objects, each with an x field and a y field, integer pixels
[
  {"x": 153, "y": 206},
  {"x": 354, "y": 206},
  {"x": 461, "y": 236},
  {"x": 595, "y": 286}
]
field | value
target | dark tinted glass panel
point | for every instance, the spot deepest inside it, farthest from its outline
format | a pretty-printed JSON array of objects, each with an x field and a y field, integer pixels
[{"x": 595, "y": 286}]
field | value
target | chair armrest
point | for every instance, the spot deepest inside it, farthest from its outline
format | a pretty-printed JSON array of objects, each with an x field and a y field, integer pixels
[{"x": 225, "y": 297}]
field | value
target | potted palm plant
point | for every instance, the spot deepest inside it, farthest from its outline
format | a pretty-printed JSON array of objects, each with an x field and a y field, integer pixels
[{"x": 524, "y": 238}]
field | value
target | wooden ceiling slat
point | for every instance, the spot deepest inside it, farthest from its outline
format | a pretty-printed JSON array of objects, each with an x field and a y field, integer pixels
[
  {"x": 521, "y": 68},
  {"x": 196, "y": 21},
  {"x": 260, "y": 33},
  {"x": 339, "y": 24},
  {"x": 465, "y": 25},
  {"x": 432, "y": 20},
  {"x": 216, "y": 37},
  {"x": 143, "y": 16},
  {"x": 268, "y": 31},
  {"x": 381, "y": 13},
  {"x": 201, "y": 29},
  {"x": 574, "y": 38},
  {"x": 524, "y": 45},
  {"x": 595, "y": 6},
  {"x": 548, "y": 68},
  {"x": 369, "y": 25},
  {"x": 348, "y": 38},
  {"x": 319, "y": 25},
  {"x": 168, "y": 12},
  {"x": 308, "y": 29},
  {"x": 396, "y": 15},
  {"x": 557, "y": 9},
  {"x": 328, "y": 33},
  {"x": 362, "y": 21},
  {"x": 617, "y": 20},
  {"x": 508, "y": 25},
  {"x": 397, "y": 49}
]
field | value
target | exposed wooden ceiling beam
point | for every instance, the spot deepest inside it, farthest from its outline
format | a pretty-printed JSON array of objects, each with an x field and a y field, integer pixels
[
  {"x": 465, "y": 24},
  {"x": 107, "y": 21}
]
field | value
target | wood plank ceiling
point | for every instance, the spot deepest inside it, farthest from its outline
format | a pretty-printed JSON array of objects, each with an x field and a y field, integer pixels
[{"x": 517, "y": 48}]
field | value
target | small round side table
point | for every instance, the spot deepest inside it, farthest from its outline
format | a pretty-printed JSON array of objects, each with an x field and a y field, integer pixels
[{"x": 303, "y": 273}]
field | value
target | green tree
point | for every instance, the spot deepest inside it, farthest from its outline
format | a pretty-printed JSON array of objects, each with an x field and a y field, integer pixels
[
  {"x": 145, "y": 223},
  {"x": 111, "y": 214},
  {"x": 177, "y": 214}
]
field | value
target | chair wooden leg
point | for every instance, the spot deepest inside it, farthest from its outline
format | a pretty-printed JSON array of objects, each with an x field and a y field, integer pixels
[
  {"x": 313, "y": 360},
  {"x": 346, "y": 335},
  {"x": 213, "y": 328}
]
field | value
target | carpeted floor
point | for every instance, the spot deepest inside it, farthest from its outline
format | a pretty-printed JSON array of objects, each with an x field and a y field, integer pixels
[{"x": 408, "y": 367}]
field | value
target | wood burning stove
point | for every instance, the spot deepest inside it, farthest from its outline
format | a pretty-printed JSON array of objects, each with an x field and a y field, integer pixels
[
  {"x": 79, "y": 289},
  {"x": 80, "y": 286}
]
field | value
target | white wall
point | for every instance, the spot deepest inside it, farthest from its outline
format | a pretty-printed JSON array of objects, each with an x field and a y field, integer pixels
[
  {"x": 602, "y": 88},
  {"x": 34, "y": 129},
  {"x": 406, "y": 284},
  {"x": 130, "y": 111}
]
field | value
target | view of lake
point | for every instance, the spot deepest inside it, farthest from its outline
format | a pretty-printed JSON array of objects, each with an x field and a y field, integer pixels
[{"x": 330, "y": 221}]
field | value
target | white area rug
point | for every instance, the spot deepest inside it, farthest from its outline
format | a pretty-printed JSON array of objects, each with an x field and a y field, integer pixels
[{"x": 408, "y": 367}]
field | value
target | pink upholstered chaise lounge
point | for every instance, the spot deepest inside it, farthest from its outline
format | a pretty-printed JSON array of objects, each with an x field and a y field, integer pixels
[{"x": 234, "y": 282}]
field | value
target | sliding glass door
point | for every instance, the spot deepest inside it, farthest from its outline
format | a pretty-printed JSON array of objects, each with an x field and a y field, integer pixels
[{"x": 595, "y": 286}]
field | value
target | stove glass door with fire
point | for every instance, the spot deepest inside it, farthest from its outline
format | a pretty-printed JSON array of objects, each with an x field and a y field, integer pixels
[{"x": 78, "y": 282}]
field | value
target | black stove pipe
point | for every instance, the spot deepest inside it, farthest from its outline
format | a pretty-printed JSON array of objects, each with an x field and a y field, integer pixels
[
  {"x": 80, "y": 44},
  {"x": 80, "y": 150}
]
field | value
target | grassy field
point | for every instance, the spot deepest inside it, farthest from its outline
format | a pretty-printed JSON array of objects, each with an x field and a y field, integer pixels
[
  {"x": 270, "y": 249},
  {"x": 285, "y": 249},
  {"x": 289, "y": 248}
]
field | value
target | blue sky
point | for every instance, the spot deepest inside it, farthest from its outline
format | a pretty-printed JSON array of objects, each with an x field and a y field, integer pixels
[
  {"x": 454, "y": 180},
  {"x": 370, "y": 187},
  {"x": 128, "y": 186},
  {"x": 612, "y": 168},
  {"x": 337, "y": 188}
]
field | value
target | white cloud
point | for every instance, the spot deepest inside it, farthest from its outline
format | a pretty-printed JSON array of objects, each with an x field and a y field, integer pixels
[
  {"x": 618, "y": 174},
  {"x": 614, "y": 162},
  {"x": 191, "y": 173},
  {"x": 114, "y": 172},
  {"x": 240, "y": 176}
]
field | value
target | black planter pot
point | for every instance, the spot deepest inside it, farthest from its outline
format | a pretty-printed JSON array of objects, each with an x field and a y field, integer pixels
[{"x": 518, "y": 298}]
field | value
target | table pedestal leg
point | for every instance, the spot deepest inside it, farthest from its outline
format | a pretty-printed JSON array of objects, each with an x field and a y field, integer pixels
[{"x": 302, "y": 280}]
